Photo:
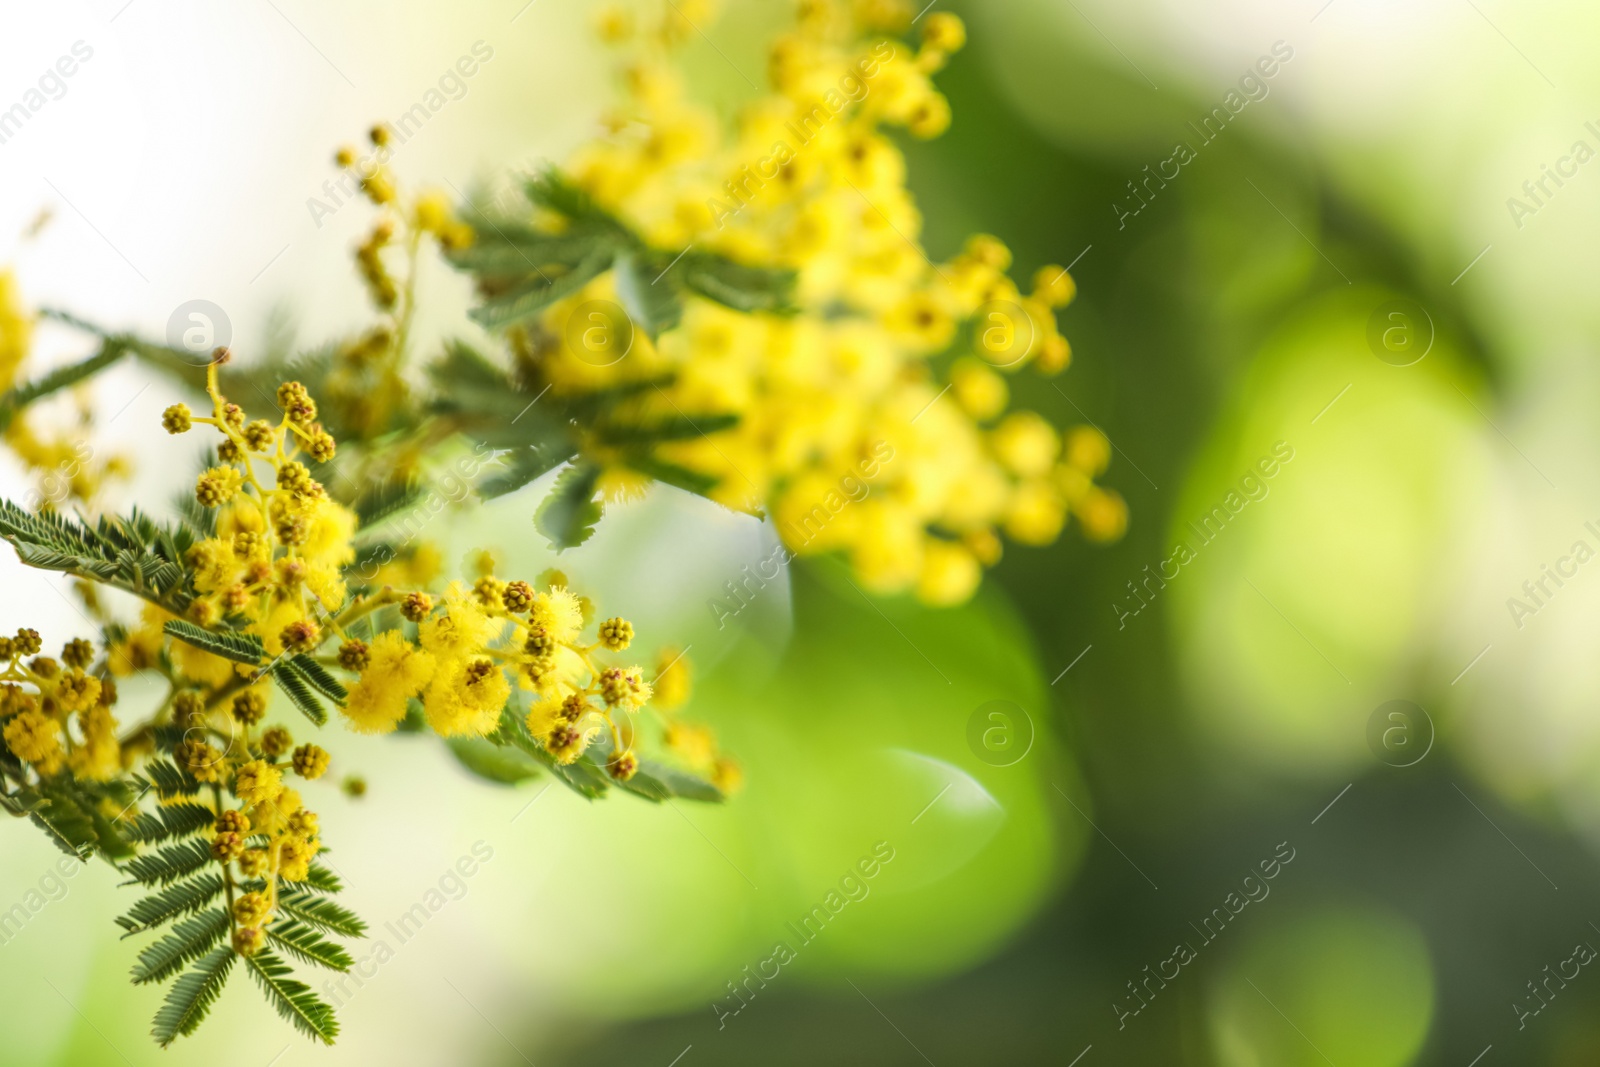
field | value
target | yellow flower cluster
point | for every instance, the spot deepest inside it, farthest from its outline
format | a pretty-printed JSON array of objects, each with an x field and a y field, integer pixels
[
  {"x": 57, "y": 715},
  {"x": 68, "y": 466},
  {"x": 366, "y": 386},
  {"x": 273, "y": 566},
  {"x": 847, "y": 436},
  {"x": 471, "y": 648}
]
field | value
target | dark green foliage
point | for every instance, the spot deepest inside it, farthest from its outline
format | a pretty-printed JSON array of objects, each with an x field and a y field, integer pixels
[
  {"x": 239, "y": 647},
  {"x": 14, "y": 400},
  {"x": 568, "y": 515},
  {"x": 134, "y": 554},
  {"x": 189, "y": 939},
  {"x": 169, "y": 780},
  {"x": 175, "y": 900},
  {"x": 298, "y": 688},
  {"x": 191, "y": 997},
  {"x": 304, "y": 943},
  {"x": 313, "y": 910},
  {"x": 169, "y": 864},
  {"x": 293, "y": 999},
  {"x": 168, "y": 820},
  {"x": 319, "y": 677},
  {"x": 587, "y": 775}
]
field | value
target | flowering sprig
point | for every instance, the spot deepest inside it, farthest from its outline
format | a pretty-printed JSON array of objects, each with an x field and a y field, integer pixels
[{"x": 246, "y": 596}]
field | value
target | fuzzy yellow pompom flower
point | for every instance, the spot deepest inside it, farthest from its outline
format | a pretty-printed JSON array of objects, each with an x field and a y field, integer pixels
[
  {"x": 251, "y": 909},
  {"x": 33, "y": 736},
  {"x": 461, "y": 631},
  {"x": 558, "y": 613},
  {"x": 465, "y": 698},
  {"x": 396, "y": 671},
  {"x": 257, "y": 782}
]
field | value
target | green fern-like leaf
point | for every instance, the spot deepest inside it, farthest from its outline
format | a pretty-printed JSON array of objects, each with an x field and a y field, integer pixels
[
  {"x": 293, "y": 999},
  {"x": 320, "y": 678},
  {"x": 169, "y": 780},
  {"x": 134, "y": 553},
  {"x": 189, "y": 940},
  {"x": 176, "y": 900},
  {"x": 320, "y": 912},
  {"x": 307, "y": 945},
  {"x": 168, "y": 821},
  {"x": 20, "y": 397},
  {"x": 320, "y": 878},
  {"x": 169, "y": 864},
  {"x": 241, "y": 648},
  {"x": 568, "y": 515},
  {"x": 191, "y": 997},
  {"x": 299, "y": 691}
]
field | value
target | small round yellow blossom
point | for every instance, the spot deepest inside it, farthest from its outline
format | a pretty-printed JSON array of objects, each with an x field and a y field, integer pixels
[
  {"x": 44, "y": 666},
  {"x": 980, "y": 391},
  {"x": 950, "y": 573},
  {"x": 259, "y": 435},
  {"x": 217, "y": 486},
  {"x": 1088, "y": 450},
  {"x": 1026, "y": 443},
  {"x": 188, "y": 709},
  {"x": 233, "y": 822},
  {"x": 33, "y": 736},
  {"x": 199, "y": 759},
  {"x": 77, "y": 691},
  {"x": 294, "y": 858},
  {"x": 564, "y": 742},
  {"x": 77, "y": 653},
  {"x": 1054, "y": 287},
  {"x": 727, "y": 775},
  {"x": 249, "y": 707},
  {"x": 249, "y": 940},
  {"x": 177, "y": 419},
  {"x": 227, "y": 845},
  {"x": 944, "y": 31},
  {"x": 251, "y": 909},
  {"x": 253, "y": 863},
  {"x": 303, "y": 824},
  {"x": 310, "y": 761},
  {"x": 396, "y": 672},
  {"x": 624, "y": 687},
  {"x": 257, "y": 782},
  {"x": 300, "y": 635},
  {"x": 490, "y": 592},
  {"x": 416, "y": 606},
  {"x": 354, "y": 655},
  {"x": 622, "y": 765},
  {"x": 1104, "y": 515},
  {"x": 672, "y": 680},
  {"x": 27, "y": 642},
  {"x": 276, "y": 742},
  {"x": 322, "y": 446},
  {"x": 518, "y": 597},
  {"x": 616, "y": 634},
  {"x": 354, "y": 786}
]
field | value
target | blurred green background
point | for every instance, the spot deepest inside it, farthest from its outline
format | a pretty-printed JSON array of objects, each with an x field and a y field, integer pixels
[{"x": 1170, "y": 739}]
